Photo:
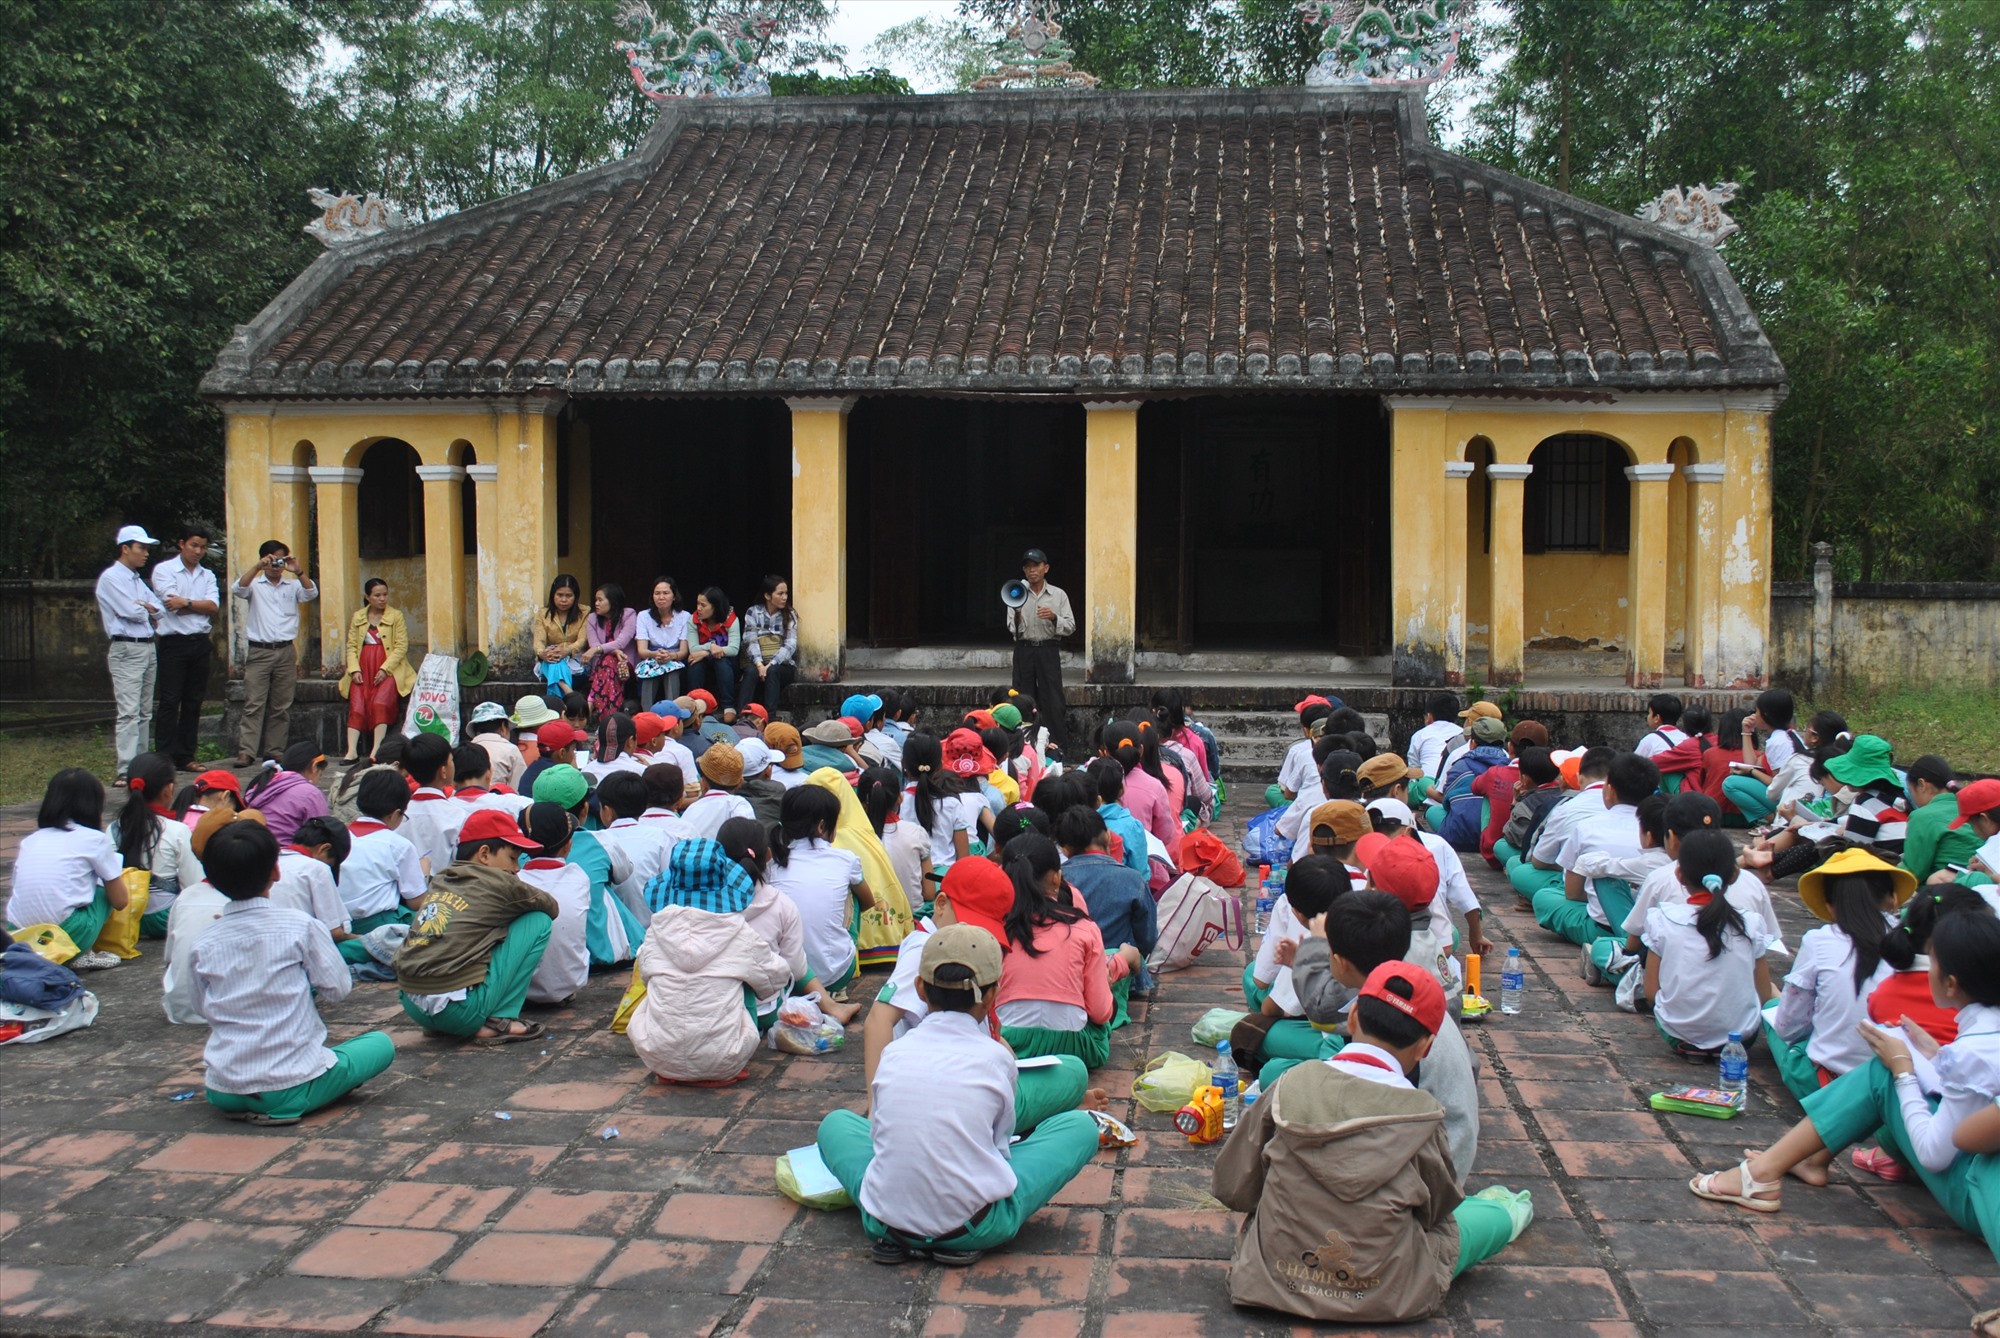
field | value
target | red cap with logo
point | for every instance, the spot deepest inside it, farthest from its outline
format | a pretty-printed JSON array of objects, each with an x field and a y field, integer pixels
[
  {"x": 559, "y": 734},
  {"x": 1421, "y": 998},
  {"x": 491, "y": 824}
]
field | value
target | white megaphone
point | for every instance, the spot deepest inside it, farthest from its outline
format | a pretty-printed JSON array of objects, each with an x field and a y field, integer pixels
[{"x": 1014, "y": 593}]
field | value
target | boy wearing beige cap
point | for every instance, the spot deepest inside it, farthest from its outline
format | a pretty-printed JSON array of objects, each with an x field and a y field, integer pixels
[{"x": 932, "y": 1170}]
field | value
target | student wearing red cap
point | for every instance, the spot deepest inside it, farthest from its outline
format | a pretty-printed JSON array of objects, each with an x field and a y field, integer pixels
[
  {"x": 1979, "y": 809},
  {"x": 1404, "y": 868},
  {"x": 474, "y": 947},
  {"x": 1355, "y": 1215}
]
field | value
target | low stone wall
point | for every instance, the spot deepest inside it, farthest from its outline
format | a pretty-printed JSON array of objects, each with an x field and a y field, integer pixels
[
  {"x": 1848, "y": 637},
  {"x": 67, "y": 642}
]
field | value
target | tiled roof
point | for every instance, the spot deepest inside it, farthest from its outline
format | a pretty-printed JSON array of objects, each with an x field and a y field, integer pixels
[{"x": 1087, "y": 242}]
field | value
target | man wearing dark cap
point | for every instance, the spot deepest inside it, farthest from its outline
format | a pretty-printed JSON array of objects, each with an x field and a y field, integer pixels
[{"x": 1038, "y": 628}]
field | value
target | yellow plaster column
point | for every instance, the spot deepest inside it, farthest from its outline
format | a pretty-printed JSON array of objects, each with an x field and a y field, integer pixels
[
  {"x": 1453, "y": 573},
  {"x": 1426, "y": 601},
  {"x": 1743, "y": 599},
  {"x": 486, "y": 546},
  {"x": 248, "y": 490},
  {"x": 1704, "y": 550},
  {"x": 339, "y": 558},
  {"x": 1506, "y": 639},
  {"x": 444, "y": 560},
  {"x": 1646, "y": 572},
  {"x": 523, "y": 519},
  {"x": 1110, "y": 541},
  {"x": 819, "y": 532}
]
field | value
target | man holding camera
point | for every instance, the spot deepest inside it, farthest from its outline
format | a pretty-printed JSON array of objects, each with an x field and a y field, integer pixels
[
  {"x": 271, "y": 666},
  {"x": 1038, "y": 627}
]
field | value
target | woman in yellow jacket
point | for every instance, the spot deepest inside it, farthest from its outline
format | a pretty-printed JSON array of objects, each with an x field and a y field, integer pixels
[{"x": 378, "y": 668}]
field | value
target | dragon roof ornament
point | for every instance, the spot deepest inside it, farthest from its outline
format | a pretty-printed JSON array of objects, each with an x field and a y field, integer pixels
[
  {"x": 1033, "y": 53},
  {"x": 718, "y": 59},
  {"x": 1695, "y": 212},
  {"x": 1383, "y": 41},
  {"x": 345, "y": 219}
]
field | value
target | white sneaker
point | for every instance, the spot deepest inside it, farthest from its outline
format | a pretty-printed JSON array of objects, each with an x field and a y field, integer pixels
[{"x": 93, "y": 961}]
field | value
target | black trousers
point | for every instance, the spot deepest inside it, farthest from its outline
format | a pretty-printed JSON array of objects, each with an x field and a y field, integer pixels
[
  {"x": 185, "y": 658},
  {"x": 1038, "y": 672}
]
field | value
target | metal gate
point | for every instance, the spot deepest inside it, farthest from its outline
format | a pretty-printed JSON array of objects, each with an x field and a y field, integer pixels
[{"x": 17, "y": 638}]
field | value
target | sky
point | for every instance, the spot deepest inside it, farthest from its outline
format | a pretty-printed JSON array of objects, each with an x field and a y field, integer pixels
[{"x": 856, "y": 23}]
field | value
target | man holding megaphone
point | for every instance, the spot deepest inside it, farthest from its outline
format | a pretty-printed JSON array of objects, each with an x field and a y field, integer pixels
[{"x": 1039, "y": 617}]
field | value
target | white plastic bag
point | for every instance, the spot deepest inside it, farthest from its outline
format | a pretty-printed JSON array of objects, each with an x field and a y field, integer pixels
[
  {"x": 434, "y": 701},
  {"x": 42, "y": 1023},
  {"x": 802, "y": 1029}
]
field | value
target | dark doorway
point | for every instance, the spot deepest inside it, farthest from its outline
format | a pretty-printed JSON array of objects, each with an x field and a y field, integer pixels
[
  {"x": 943, "y": 498},
  {"x": 1263, "y": 523},
  {"x": 699, "y": 490}
]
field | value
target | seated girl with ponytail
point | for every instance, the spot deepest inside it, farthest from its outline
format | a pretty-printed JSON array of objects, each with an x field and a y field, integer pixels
[
  {"x": 1702, "y": 976},
  {"x": 822, "y": 880},
  {"x": 776, "y": 918},
  {"x": 1920, "y": 1107},
  {"x": 1055, "y": 990},
  {"x": 149, "y": 836},
  {"x": 1814, "y": 1027},
  {"x": 934, "y": 801}
]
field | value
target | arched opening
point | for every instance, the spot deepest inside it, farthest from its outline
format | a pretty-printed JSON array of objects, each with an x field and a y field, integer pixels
[
  {"x": 1681, "y": 541},
  {"x": 1576, "y": 534},
  {"x": 389, "y": 521},
  {"x": 1479, "y": 547},
  {"x": 462, "y": 455}
]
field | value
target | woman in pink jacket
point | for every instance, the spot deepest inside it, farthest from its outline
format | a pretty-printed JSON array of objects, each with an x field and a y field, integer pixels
[{"x": 694, "y": 1025}]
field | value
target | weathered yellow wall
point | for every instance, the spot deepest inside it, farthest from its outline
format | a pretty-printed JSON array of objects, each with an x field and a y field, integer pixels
[
  {"x": 1427, "y": 547},
  {"x": 1110, "y": 541},
  {"x": 819, "y": 532},
  {"x": 1576, "y": 597},
  {"x": 1908, "y": 636}
]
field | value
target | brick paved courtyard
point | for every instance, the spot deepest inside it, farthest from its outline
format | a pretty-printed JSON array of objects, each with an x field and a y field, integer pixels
[{"x": 412, "y": 1208}]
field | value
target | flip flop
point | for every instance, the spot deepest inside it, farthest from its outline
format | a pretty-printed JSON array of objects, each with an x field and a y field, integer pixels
[
  {"x": 534, "y": 1032},
  {"x": 1703, "y": 1187},
  {"x": 1879, "y": 1163}
]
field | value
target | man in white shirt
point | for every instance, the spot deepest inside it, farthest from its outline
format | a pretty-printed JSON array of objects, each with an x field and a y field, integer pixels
[
  {"x": 1663, "y": 721},
  {"x": 1573, "y": 910},
  {"x": 190, "y": 599},
  {"x": 131, "y": 613},
  {"x": 271, "y": 664},
  {"x": 1038, "y": 626}
]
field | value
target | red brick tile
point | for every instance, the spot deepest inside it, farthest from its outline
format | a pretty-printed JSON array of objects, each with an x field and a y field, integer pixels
[
  {"x": 1538, "y": 1295},
  {"x": 985, "y": 1321},
  {"x": 1676, "y": 1299},
  {"x": 294, "y": 1304},
  {"x": 621, "y": 1314},
  {"x": 684, "y": 1265},
  {"x": 1186, "y": 1188},
  {"x": 451, "y": 1310},
  {"x": 1060, "y": 1231},
  {"x": 600, "y": 1211},
  {"x": 485, "y": 1163},
  {"x": 530, "y": 1259},
  {"x": 1123, "y": 1323},
  {"x": 374, "y": 1252},
  {"x": 35, "y": 1189},
  {"x": 770, "y": 1317},
  {"x": 350, "y": 1159},
  {"x": 571, "y": 1096},
  {"x": 1090, "y": 1188},
  {"x": 1007, "y": 1279},
  {"x": 86, "y": 1297},
  {"x": 666, "y": 1133},
  {"x": 1155, "y": 1233},
  {"x": 9, "y": 1220},
  {"x": 430, "y": 1206},
  {"x": 217, "y": 1154},
  {"x": 735, "y": 1217},
  {"x": 1850, "y": 1301},
  {"x": 1619, "y": 1161},
  {"x": 92, "y": 1149},
  {"x": 220, "y": 1247},
  {"x": 292, "y": 1199},
  {"x": 1197, "y": 1287}
]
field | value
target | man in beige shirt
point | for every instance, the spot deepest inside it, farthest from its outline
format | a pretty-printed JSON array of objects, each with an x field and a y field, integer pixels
[{"x": 1038, "y": 628}]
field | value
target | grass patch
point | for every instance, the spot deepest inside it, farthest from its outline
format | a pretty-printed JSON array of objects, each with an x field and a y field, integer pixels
[
  {"x": 28, "y": 759},
  {"x": 1958, "y": 724}
]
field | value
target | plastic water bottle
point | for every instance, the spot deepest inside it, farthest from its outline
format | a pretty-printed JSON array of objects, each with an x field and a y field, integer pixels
[
  {"x": 1512, "y": 978},
  {"x": 1266, "y": 898},
  {"x": 1225, "y": 1077},
  {"x": 1734, "y": 1077}
]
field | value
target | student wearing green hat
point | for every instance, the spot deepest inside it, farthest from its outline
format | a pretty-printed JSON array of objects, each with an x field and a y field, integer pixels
[{"x": 612, "y": 932}]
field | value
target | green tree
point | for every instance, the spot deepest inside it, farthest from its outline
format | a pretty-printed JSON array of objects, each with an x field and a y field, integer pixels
[{"x": 154, "y": 159}]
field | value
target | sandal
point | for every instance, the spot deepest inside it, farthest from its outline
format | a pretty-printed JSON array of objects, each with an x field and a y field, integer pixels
[
  {"x": 1987, "y": 1323},
  {"x": 531, "y": 1031},
  {"x": 1703, "y": 1186},
  {"x": 1879, "y": 1163},
  {"x": 703, "y": 1082}
]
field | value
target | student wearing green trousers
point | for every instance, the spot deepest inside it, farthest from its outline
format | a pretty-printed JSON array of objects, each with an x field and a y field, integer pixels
[
  {"x": 933, "y": 1167},
  {"x": 1918, "y": 1130},
  {"x": 477, "y": 939},
  {"x": 1750, "y": 788},
  {"x": 256, "y": 971},
  {"x": 1574, "y": 910},
  {"x": 1367, "y": 1187},
  {"x": 67, "y": 872},
  {"x": 150, "y": 836},
  {"x": 1279, "y": 1025}
]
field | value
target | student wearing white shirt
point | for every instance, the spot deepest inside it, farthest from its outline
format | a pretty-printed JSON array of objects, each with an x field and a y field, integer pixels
[
  {"x": 935, "y": 1168},
  {"x": 1889, "y": 1094},
  {"x": 131, "y": 614},
  {"x": 433, "y": 817},
  {"x": 565, "y": 965},
  {"x": 613, "y": 748},
  {"x": 67, "y": 873},
  {"x": 1539, "y": 869},
  {"x": 488, "y": 728},
  {"x": 1704, "y": 972},
  {"x": 189, "y": 598},
  {"x": 1442, "y": 728},
  {"x": 1663, "y": 721},
  {"x": 307, "y": 872},
  {"x": 721, "y": 768},
  {"x": 665, "y": 784},
  {"x": 271, "y": 664},
  {"x": 660, "y": 640},
  {"x": 776, "y": 919},
  {"x": 1749, "y": 787},
  {"x": 1573, "y": 910},
  {"x": 198, "y": 907},
  {"x": 1298, "y": 768},
  {"x": 150, "y": 836},
  {"x": 668, "y": 748},
  {"x": 823, "y": 881},
  {"x": 645, "y": 846},
  {"x": 256, "y": 972},
  {"x": 382, "y": 879}
]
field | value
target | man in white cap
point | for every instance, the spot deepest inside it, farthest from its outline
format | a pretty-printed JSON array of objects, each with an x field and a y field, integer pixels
[{"x": 131, "y": 613}]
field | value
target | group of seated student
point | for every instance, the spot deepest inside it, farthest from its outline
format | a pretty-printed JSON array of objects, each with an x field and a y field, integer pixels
[{"x": 729, "y": 866}]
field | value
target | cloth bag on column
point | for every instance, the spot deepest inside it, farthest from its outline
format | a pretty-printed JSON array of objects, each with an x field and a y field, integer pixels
[{"x": 434, "y": 701}]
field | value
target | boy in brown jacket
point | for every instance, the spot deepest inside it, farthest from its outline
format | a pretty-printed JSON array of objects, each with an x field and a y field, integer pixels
[
  {"x": 476, "y": 942},
  {"x": 1346, "y": 1176}
]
